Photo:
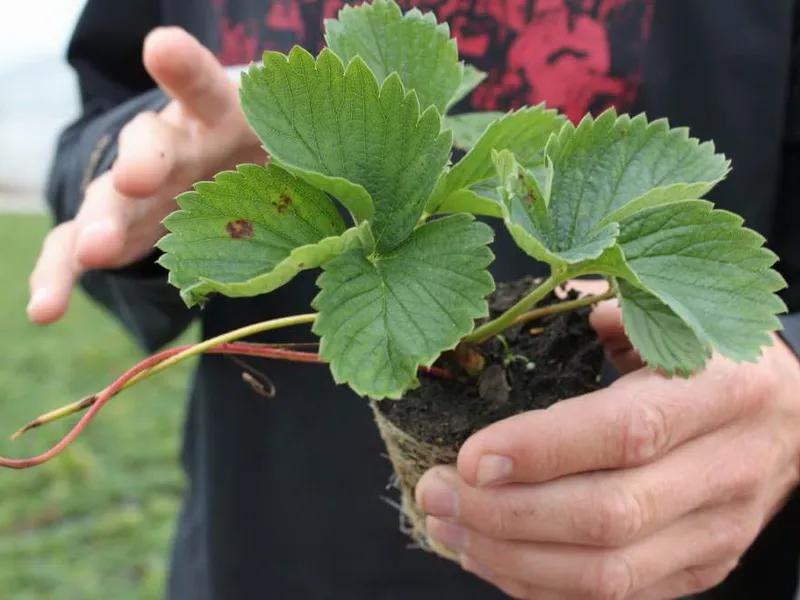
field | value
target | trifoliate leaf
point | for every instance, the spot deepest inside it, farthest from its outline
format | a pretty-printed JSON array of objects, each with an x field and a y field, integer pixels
[
  {"x": 524, "y": 132},
  {"x": 248, "y": 232},
  {"x": 473, "y": 77},
  {"x": 662, "y": 338},
  {"x": 612, "y": 167},
  {"x": 368, "y": 146},
  {"x": 412, "y": 45},
  {"x": 382, "y": 317},
  {"x": 710, "y": 271}
]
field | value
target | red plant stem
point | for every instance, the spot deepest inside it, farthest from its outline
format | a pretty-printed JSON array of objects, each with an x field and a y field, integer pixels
[
  {"x": 94, "y": 407},
  {"x": 96, "y": 402}
]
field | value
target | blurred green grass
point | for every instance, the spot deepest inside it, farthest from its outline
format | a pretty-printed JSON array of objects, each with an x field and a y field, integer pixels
[{"x": 96, "y": 522}]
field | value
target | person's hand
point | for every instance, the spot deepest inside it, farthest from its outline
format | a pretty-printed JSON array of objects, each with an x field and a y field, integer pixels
[
  {"x": 200, "y": 132},
  {"x": 649, "y": 489}
]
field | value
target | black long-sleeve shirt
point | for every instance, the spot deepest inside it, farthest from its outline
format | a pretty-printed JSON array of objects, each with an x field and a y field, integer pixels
[{"x": 284, "y": 497}]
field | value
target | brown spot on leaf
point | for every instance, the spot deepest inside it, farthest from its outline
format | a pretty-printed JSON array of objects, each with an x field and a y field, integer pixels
[
  {"x": 283, "y": 204},
  {"x": 240, "y": 229}
]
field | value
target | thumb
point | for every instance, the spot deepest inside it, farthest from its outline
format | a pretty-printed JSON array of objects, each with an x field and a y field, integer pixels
[
  {"x": 189, "y": 73},
  {"x": 606, "y": 320}
]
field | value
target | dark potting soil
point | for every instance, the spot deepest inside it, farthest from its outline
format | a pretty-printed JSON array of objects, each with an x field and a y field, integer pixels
[{"x": 545, "y": 361}]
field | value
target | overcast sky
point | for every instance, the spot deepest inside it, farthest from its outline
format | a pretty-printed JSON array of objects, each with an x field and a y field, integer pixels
[
  {"x": 38, "y": 95},
  {"x": 35, "y": 29}
]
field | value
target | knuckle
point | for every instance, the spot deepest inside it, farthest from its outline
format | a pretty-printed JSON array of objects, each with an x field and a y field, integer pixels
[
  {"x": 733, "y": 535},
  {"x": 700, "y": 579},
  {"x": 741, "y": 475},
  {"x": 752, "y": 388},
  {"x": 644, "y": 432},
  {"x": 765, "y": 387},
  {"x": 611, "y": 578},
  {"x": 748, "y": 476},
  {"x": 616, "y": 517}
]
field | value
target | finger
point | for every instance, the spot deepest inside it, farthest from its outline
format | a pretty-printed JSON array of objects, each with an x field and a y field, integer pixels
[
  {"x": 689, "y": 581},
  {"x": 609, "y": 508},
  {"x": 146, "y": 157},
  {"x": 705, "y": 537},
  {"x": 189, "y": 73},
  {"x": 588, "y": 286},
  {"x": 625, "y": 361},
  {"x": 606, "y": 320},
  {"x": 54, "y": 275},
  {"x": 102, "y": 225},
  {"x": 512, "y": 587},
  {"x": 519, "y": 590},
  {"x": 634, "y": 421}
]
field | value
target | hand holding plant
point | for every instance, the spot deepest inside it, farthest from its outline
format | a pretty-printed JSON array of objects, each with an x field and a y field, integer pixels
[{"x": 651, "y": 488}]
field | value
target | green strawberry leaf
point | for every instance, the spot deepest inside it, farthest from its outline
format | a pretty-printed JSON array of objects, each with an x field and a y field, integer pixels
[
  {"x": 249, "y": 232},
  {"x": 663, "y": 339},
  {"x": 469, "y": 127},
  {"x": 473, "y": 77},
  {"x": 598, "y": 174},
  {"x": 609, "y": 167},
  {"x": 524, "y": 132},
  {"x": 368, "y": 146},
  {"x": 480, "y": 200},
  {"x": 382, "y": 316},
  {"x": 711, "y": 272},
  {"x": 412, "y": 45}
]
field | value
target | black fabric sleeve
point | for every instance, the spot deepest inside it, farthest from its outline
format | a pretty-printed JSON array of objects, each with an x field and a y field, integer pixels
[
  {"x": 786, "y": 242},
  {"x": 791, "y": 331},
  {"x": 105, "y": 52}
]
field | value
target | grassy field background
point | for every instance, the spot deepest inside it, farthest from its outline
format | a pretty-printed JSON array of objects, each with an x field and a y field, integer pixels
[{"x": 96, "y": 522}]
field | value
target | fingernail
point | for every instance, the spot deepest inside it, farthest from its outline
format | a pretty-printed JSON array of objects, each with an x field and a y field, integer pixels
[
  {"x": 39, "y": 297},
  {"x": 439, "y": 498},
  {"x": 474, "y": 567},
  {"x": 493, "y": 469},
  {"x": 447, "y": 534}
]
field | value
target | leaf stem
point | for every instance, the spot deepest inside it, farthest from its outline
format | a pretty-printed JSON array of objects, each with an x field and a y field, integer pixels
[
  {"x": 565, "y": 306},
  {"x": 508, "y": 318},
  {"x": 143, "y": 370},
  {"x": 241, "y": 349},
  {"x": 161, "y": 361},
  {"x": 225, "y": 338}
]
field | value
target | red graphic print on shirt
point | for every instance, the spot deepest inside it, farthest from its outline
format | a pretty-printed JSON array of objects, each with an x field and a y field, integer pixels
[{"x": 574, "y": 55}]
